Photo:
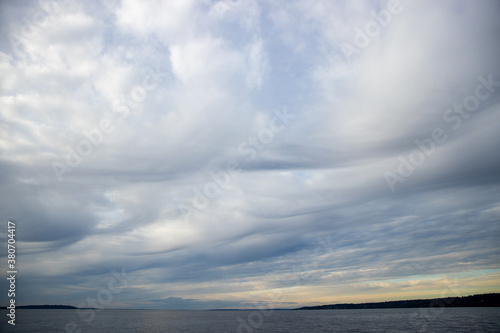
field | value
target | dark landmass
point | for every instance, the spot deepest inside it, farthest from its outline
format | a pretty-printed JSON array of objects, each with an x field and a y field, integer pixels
[
  {"x": 46, "y": 306},
  {"x": 483, "y": 300}
]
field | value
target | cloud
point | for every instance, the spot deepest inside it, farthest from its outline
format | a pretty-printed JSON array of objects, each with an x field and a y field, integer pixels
[{"x": 246, "y": 153}]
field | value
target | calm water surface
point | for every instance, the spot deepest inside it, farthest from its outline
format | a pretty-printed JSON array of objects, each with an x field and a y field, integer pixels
[{"x": 456, "y": 320}]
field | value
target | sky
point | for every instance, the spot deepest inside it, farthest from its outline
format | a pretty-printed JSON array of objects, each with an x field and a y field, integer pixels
[{"x": 229, "y": 154}]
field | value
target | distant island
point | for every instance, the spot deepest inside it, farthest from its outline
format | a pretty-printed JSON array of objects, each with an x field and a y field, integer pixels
[
  {"x": 483, "y": 300},
  {"x": 46, "y": 306}
]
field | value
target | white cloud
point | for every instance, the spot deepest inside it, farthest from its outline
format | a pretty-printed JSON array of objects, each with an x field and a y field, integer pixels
[{"x": 222, "y": 70}]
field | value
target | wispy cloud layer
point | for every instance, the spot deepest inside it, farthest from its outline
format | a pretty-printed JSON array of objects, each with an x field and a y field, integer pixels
[{"x": 226, "y": 151}]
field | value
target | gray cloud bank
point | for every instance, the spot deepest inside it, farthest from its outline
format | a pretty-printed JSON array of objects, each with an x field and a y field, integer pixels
[{"x": 208, "y": 147}]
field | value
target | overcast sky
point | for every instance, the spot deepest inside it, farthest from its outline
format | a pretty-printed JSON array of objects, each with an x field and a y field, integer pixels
[{"x": 229, "y": 153}]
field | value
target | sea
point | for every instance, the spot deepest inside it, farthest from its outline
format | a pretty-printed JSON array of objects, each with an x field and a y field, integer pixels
[{"x": 453, "y": 320}]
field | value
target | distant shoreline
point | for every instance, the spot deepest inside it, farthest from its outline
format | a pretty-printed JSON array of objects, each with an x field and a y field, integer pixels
[
  {"x": 481, "y": 300},
  {"x": 48, "y": 307}
]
